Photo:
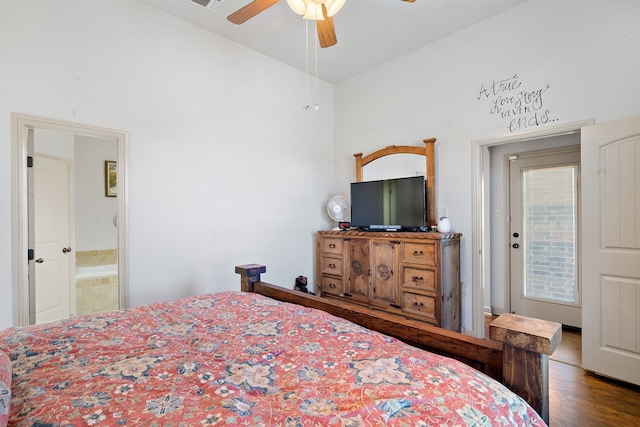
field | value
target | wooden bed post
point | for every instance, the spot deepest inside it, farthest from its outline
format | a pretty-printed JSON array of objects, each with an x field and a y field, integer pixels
[
  {"x": 528, "y": 342},
  {"x": 249, "y": 273}
]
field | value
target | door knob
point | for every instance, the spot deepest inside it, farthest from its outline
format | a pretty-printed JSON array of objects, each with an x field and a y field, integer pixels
[
  {"x": 66, "y": 250},
  {"x": 515, "y": 246},
  {"x": 40, "y": 260}
]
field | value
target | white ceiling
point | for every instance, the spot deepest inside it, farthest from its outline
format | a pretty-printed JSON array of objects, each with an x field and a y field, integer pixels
[{"x": 369, "y": 32}]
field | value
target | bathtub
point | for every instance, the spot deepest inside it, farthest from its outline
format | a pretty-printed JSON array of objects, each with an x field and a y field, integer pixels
[{"x": 96, "y": 271}]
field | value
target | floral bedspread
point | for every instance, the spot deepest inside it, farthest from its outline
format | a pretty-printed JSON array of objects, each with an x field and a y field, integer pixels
[
  {"x": 240, "y": 359},
  {"x": 5, "y": 388}
]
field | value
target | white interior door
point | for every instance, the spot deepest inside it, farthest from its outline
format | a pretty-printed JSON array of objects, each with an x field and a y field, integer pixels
[
  {"x": 53, "y": 253},
  {"x": 611, "y": 249},
  {"x": 544, "y": 243}
]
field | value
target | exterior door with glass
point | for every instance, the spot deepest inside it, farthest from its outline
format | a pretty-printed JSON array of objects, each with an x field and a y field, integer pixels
[{"x": 544, "y": 235}]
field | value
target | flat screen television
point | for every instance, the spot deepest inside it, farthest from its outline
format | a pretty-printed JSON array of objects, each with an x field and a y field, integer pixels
[{"x": 389, "y": 204}]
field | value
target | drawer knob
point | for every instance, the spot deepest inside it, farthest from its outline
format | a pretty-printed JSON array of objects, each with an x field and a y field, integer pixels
[
  {"x": 418, "y": 253},
  {"x": 418, "y": 278},
  {"x": 417, "y": 304},
  {"x": 332, "y": 265},
  {"x": 332, "y": 285},
  {"x": 332, "y": 245}
]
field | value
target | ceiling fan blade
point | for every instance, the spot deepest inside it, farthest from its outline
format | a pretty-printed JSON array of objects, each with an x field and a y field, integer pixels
[
  {"x": 249, "y": 11},
  {"x": 326, "y": 30}
]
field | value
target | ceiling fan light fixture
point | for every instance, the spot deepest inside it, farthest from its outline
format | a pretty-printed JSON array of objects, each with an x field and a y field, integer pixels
[
  {"x": 314, "y": 11},
  {"x": 333, "y": 6},
  {"x": 298, "y": 6}
]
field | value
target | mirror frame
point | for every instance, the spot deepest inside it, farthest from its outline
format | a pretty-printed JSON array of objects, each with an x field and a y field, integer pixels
[{"x": 430, "y": 179}]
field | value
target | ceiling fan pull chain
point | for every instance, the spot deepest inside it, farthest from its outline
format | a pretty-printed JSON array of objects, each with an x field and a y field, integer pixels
[
  {"x": 317, "y": 107},
  {"x": 306, "y": 60}
]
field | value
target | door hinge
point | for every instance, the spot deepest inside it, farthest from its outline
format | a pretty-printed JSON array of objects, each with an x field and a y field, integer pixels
[
  {"x": 30, "y": 254},
  {"x": 29, "y": 161}
]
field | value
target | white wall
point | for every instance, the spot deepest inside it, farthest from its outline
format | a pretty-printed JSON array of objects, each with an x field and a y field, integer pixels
[
  {"x": 94, "y": 212},
  {"x": 225, "y": 167},
  {"x": 585, "y": 51},
  {"x": 57, "y": 144}
]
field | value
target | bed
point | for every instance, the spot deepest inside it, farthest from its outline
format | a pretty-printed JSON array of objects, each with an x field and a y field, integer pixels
[{"x": 237, "y": 358}]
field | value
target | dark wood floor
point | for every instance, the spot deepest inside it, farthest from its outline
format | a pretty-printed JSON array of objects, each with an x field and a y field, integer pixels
[{"x": 579, "y": 398}]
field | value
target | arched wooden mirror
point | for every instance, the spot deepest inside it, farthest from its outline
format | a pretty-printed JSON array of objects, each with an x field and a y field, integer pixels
[{"x": 430, "y": 176}]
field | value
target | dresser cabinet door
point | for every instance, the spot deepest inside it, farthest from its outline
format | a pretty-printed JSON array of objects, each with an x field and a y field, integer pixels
[
  {"x": 384, "y": 285},
  {"x": 356, "y": 280}
]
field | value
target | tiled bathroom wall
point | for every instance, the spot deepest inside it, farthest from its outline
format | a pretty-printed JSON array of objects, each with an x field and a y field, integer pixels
[
  {"x": 100, "y": 291},
  {"x": 101, "y": 257}
]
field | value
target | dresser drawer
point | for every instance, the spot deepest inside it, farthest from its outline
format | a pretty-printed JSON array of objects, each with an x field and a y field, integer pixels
[
  {"x": 332, "y": 266},
  {"x": 419, "y": 278},
  {"x": 332, "y": 245},
  {"x": 331, "y": 285},
  {"x": 421, "y": 305},
  {"x": 419, "y": 253}
]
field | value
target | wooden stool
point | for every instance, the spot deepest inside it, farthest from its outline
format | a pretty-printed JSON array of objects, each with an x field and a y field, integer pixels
[{"x": 528, "y": 342}]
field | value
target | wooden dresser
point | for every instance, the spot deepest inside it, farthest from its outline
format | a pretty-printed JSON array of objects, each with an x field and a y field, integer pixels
[{"x": 415, "y": 275}]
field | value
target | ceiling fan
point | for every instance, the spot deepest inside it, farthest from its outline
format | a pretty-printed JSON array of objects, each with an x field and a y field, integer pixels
[{"x": 320, "y": 11}]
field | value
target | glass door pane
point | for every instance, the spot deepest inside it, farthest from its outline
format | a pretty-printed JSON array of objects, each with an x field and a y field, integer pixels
[{"x": 550, "y": 234}]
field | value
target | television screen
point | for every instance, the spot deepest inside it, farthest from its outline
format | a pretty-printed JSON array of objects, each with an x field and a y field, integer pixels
[{"x": 388, "y": 204}]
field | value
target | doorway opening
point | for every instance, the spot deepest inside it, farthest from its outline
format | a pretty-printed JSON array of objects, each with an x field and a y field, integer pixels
[
  {"x": 76, "y": 144},
  {"x": 485, "y": 236}
]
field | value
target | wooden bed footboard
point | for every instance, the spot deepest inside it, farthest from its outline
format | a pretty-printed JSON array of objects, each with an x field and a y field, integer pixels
[{"x": 516, "y": 355}]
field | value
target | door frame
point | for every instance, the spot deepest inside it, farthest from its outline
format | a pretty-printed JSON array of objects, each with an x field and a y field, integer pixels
[
  {"x": 23, "y": 312},
  {"x": 480, "y": 210}
]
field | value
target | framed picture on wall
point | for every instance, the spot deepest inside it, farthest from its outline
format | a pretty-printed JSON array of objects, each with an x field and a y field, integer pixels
[{"x": 110, "y": 178}]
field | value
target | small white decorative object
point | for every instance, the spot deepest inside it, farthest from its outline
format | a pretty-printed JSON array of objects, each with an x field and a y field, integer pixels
[{"x": 444, "y": 225}]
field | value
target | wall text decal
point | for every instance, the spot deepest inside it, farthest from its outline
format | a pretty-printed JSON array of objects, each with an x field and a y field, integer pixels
[{"x": 509, "y": 100}]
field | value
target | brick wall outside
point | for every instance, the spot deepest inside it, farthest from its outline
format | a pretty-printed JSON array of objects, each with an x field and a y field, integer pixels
[{"x": 550, "y": 233}]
